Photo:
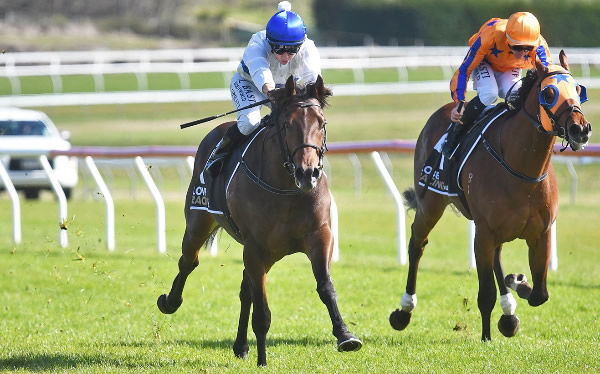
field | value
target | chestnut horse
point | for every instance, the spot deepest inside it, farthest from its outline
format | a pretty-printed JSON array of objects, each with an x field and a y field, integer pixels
[
  {"x": 511, "y": 195},
  {"x": 280, "y": 205}
]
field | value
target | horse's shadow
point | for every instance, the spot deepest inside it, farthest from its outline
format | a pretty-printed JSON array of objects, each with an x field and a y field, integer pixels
[
  {"x": 37, "y": 362},
  {"x": 228, "y": 343}
]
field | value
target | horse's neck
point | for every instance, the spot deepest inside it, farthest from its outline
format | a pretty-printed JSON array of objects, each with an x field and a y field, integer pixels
[
  {"x": 523, "y": 145},
  {"x": 267, "y": 159}
]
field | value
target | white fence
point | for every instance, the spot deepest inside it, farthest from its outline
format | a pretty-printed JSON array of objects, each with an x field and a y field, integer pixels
[
  {"x": 184, "y": 62},
  {"x": 136, "y": 153}
]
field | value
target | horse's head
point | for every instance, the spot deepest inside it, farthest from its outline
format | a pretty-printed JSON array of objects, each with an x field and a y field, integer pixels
[
  {"x": 298, "y": 115},
  {"x": 560, "y": 97}
]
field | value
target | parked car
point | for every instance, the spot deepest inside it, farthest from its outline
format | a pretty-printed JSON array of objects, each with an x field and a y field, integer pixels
[{"x": 23, "y": 134}]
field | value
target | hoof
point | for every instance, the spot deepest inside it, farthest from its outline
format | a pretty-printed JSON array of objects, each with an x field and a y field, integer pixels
[
  {"x": 508, "y": 325},
  {"x": 537, "y": 299},
  {"x": 349, "y": 343},
  {"x": 240, "y": 351},
  {"x": 518, "y": 282},
  {"x": 399, "y": 319},
  {"x": 165, "y": 307}
]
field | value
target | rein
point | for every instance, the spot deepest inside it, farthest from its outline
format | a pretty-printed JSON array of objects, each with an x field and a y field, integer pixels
[{"x": 498, "y": 157}]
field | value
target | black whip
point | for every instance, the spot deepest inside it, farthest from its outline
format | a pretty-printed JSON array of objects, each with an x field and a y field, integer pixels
[{"x": 198, "y": 121}]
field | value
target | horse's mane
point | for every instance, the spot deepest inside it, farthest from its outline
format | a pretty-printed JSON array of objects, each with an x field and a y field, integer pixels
[{"x": 517, "y": 100}]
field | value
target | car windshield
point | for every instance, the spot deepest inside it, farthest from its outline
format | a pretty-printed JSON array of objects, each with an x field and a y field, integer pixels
[{"x": 23, "y": 128}]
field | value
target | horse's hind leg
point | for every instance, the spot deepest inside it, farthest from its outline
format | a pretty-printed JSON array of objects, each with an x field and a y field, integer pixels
[
  {"x": 240, "y": 347},
  {"x": 509, "y": 322},
  {"x": 197, "y": 232},
  {"x": 486, "y": 297},
  {"x": 320, "y": 257},
  {"x": 426, "y": 218}
]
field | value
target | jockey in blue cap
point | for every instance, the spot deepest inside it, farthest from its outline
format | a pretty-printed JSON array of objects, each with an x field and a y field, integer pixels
[{"x": 272, "y": 56}]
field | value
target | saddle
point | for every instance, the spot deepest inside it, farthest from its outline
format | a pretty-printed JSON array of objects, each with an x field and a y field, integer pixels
[
  {"x": 210, "y": 193},
  {"x": 443, "y": 177}
]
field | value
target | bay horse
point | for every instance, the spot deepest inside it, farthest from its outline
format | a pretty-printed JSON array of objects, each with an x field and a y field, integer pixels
[
  {"x": 280, "y": 206},
  {"x": 511, "y": 196}
]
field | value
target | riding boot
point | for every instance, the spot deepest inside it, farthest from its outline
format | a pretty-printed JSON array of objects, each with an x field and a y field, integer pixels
[
  {"x": 232, "y": 138},
  {"x": 472, "y": 111}
]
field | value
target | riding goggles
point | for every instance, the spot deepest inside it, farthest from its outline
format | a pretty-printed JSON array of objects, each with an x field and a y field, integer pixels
[
  {"x": 521, "y": 48},
  {"x": 281, "y": 49}
]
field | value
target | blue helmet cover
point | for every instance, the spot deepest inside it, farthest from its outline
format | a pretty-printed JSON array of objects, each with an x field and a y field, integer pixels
[{"x": 286, "y": 28}]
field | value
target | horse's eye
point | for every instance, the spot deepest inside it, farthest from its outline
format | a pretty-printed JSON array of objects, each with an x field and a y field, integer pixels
[{"x": 548, "y": 96}]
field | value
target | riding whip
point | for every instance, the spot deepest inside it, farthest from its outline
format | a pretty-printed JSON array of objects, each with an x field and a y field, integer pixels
[{"x": 198, "y": 121}]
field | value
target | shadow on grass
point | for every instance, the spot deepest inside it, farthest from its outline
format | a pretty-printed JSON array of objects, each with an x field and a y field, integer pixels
[
  {"x": 39, "y": 362},
  {"x": 228, "y": 343},
  {"x": 49, "y": 362}
]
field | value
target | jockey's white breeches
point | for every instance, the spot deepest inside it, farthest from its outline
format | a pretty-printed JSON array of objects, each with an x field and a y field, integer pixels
[
  {"x": 244, "y": 93},
  {"x": 491, "y": 84}
]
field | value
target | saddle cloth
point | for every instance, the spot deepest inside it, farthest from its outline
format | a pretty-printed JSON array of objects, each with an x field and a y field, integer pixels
[
  {"x": 210, "y": 193},
  {"x": 444, "y": 177}
]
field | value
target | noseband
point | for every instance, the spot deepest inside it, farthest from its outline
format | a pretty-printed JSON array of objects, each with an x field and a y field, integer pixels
[{"x": 287, "y": 156}]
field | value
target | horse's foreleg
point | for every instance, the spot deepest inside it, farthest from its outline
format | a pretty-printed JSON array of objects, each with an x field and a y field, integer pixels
[
  {"x": 188, "y": 261},
  {"x": 486, "y": 298},
  {"x": 261, "y": 315},
  {"x": 320, "y": 256},
  {"x": 346, "y": 341},
  {"x": 240, "y": 347},
  {"x": 539, "y": 258},
  {"x": 509, "y": 322},
  {"x": 420, "y": 229}
]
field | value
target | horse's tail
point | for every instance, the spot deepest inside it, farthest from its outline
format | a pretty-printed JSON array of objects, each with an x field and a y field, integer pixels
[
  {"x": 211, "y": 238},
  {"x": 410, "y": 198}
]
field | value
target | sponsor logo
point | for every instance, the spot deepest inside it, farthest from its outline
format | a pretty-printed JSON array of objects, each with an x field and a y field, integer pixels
[{"x": 199, "y": 197}]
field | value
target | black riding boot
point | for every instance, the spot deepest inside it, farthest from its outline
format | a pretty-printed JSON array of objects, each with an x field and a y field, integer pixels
[
  {"x": 232, "y": 137},
  {"x": 472, "y": 111}
]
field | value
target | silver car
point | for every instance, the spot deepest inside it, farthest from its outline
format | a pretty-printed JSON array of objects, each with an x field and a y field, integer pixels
[{"x": 24, "y": 134}]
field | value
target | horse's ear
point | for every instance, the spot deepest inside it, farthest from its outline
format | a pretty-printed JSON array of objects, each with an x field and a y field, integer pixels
[
  {"x": 562, "y": 56},
  {"x": 320, "y": 92},
  {"x": 539, "y": 66},
  {"x": 290, "y": 86},
  {"x": 318, "y": 87}
]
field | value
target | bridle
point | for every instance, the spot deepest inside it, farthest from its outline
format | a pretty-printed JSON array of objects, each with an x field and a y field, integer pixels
[
  {"x": 286, "y": 155},
  {"x": 557, "y": 130}
]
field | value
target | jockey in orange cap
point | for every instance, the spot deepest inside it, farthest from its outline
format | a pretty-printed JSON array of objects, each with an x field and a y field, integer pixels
[{"x": 497, "y": 53}]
